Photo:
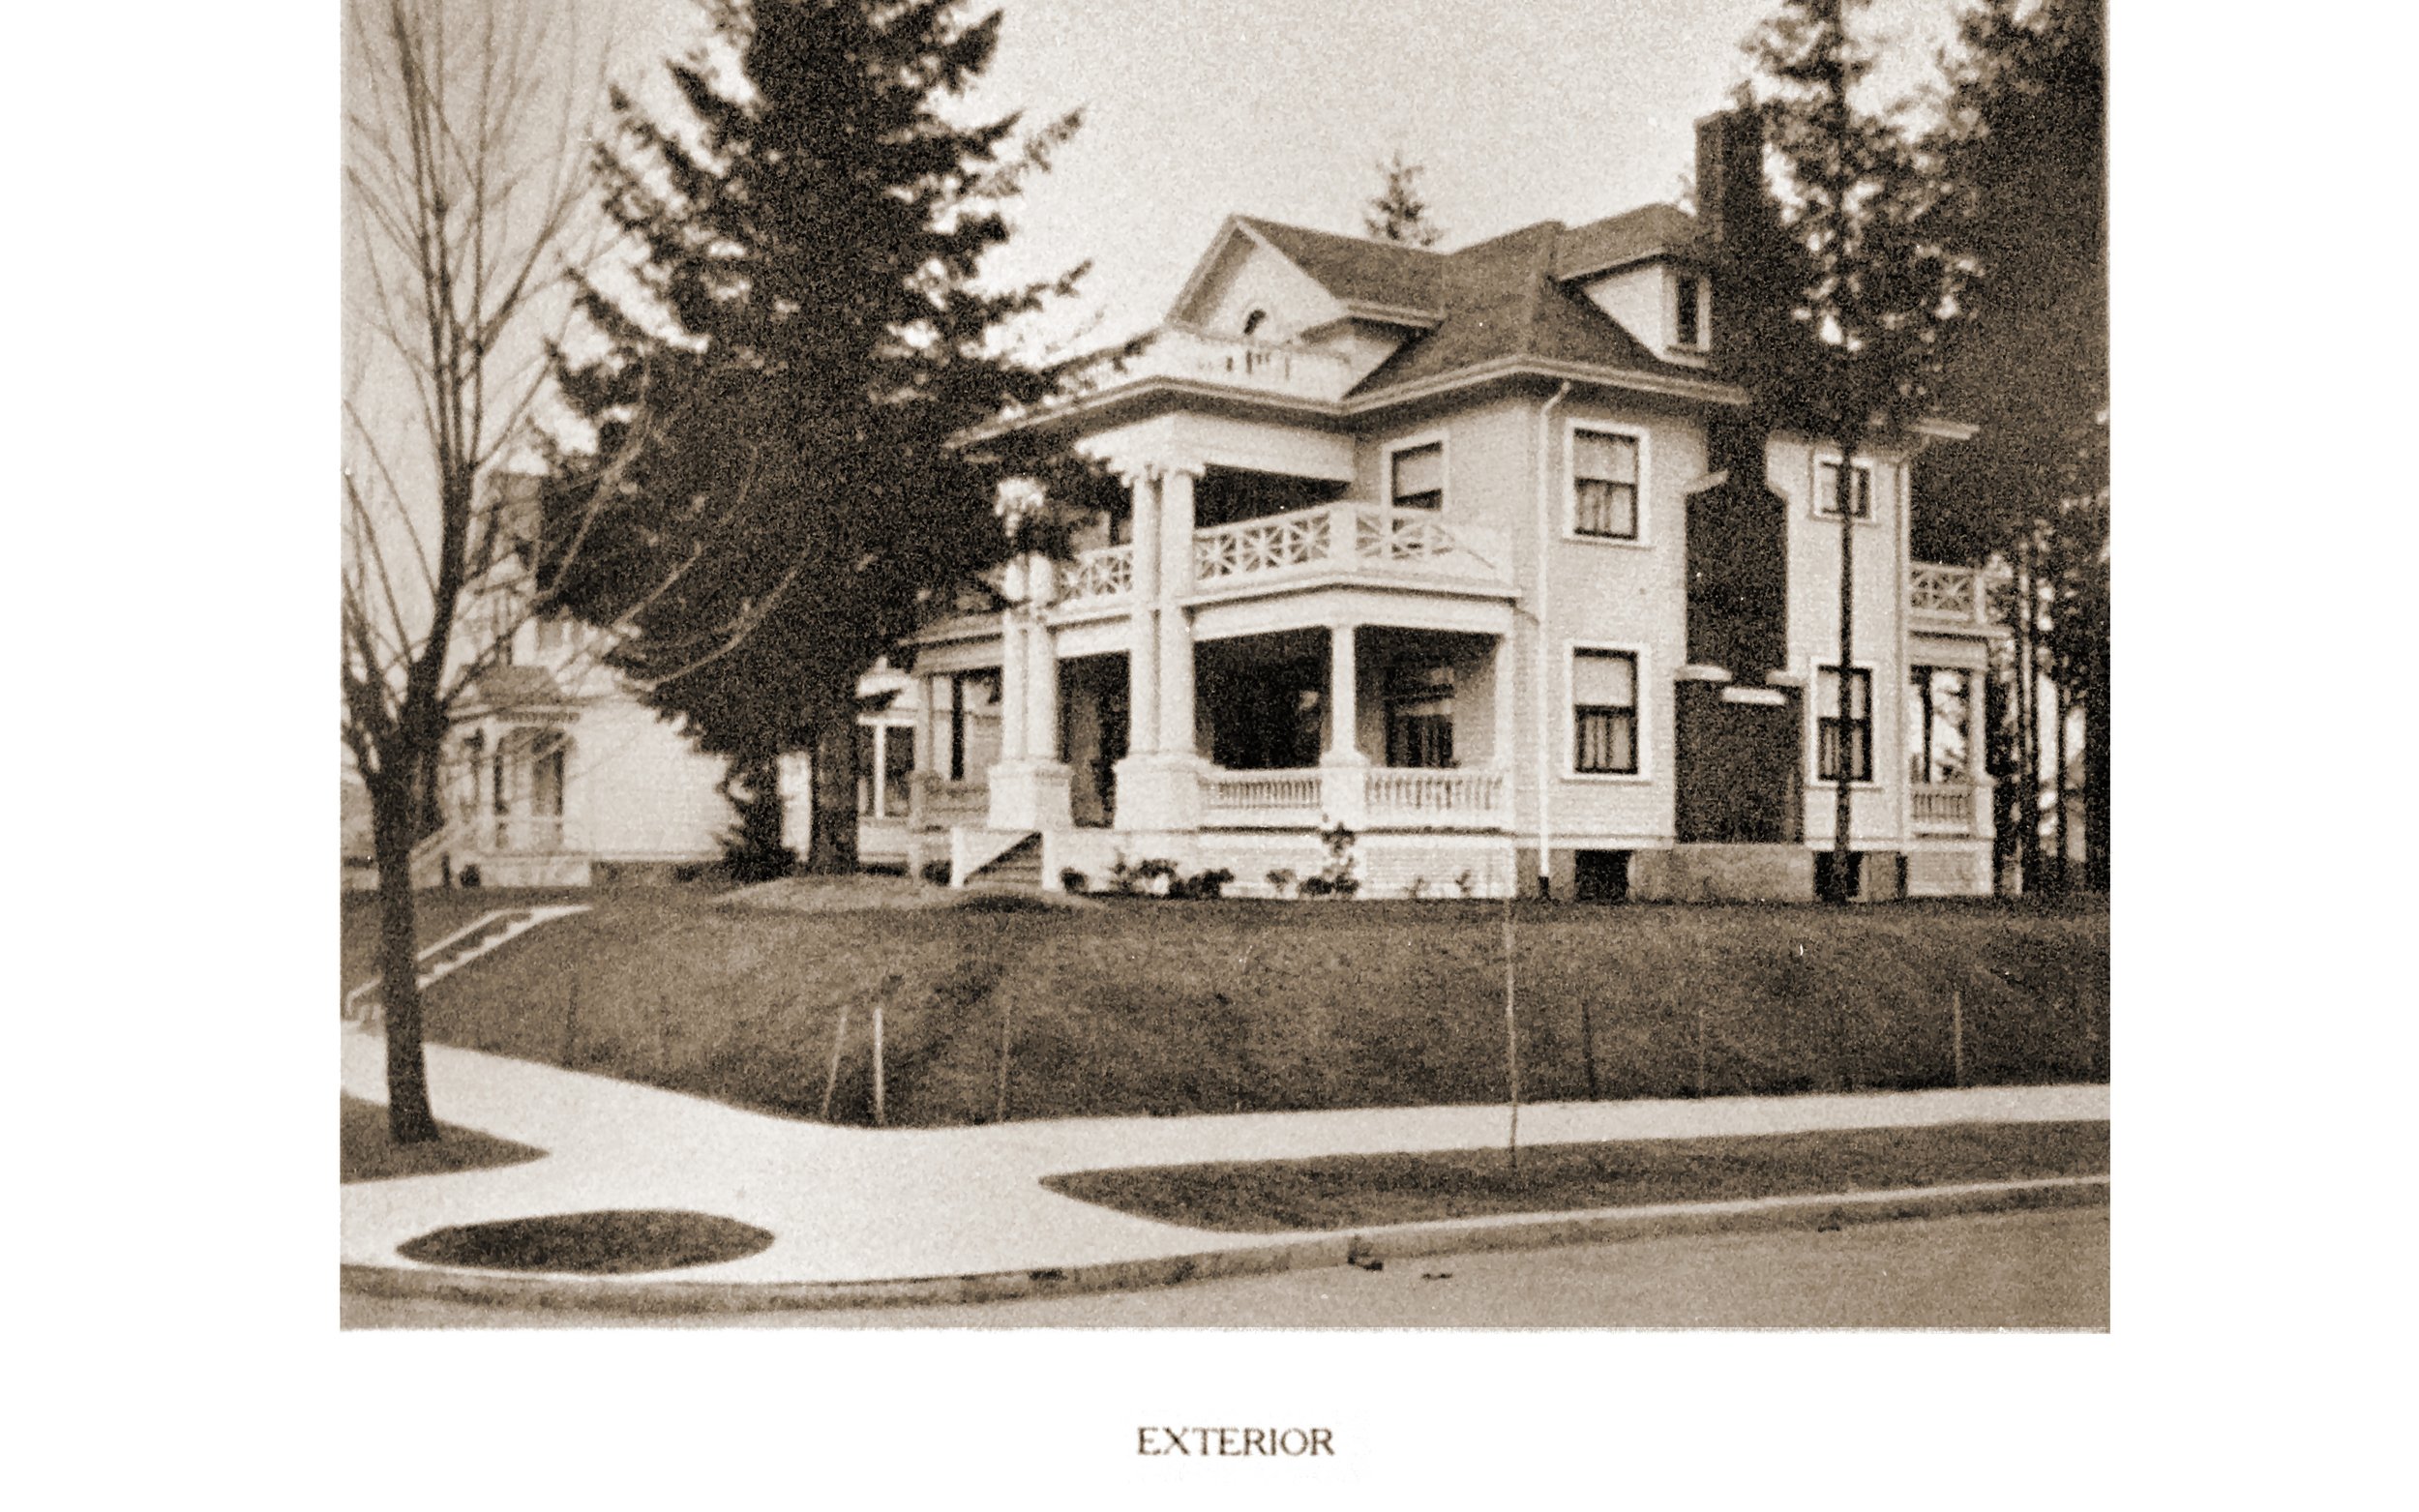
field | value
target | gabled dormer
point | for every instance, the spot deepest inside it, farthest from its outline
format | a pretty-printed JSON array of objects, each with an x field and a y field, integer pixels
[
  {"x": 1646, "y": 269},
  {"x": 1283, "y": 286}
]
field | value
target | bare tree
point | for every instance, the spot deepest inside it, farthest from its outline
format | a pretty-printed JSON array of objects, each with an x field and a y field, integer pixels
[{"x": 463, "y": 163}]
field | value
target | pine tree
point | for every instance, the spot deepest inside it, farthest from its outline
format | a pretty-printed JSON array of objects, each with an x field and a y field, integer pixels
[
  {"x": 804, "y": 330},
  {"x": 1398, "y": 214},
  {"x": 1839, "y": 317}
]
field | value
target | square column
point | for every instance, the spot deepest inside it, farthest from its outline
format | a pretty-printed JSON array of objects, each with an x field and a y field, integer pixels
[
  {"x": 1344, "y": 789},
  {"x": 1143, "y": 648},
  {"x": 1176, "y": 629},
  {"x": 1030, "y": 787}
]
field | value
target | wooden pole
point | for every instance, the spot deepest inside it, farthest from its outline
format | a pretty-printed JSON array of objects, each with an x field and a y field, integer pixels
[
  {"x": 1957, "y": 1034},
  {"x": 831, "y": 1082},
  {"x": 1511, "y": 1036}
]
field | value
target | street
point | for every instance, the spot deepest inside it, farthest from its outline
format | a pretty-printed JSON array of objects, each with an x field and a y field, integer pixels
[{"x": 1992, "y": 1270}]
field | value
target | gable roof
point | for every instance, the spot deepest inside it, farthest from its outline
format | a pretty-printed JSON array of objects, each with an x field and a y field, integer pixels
[
  {"x": 503, "y": 688},
  {"x": 1357, "y": 269},
  {"x": 1632, "y": 236}
]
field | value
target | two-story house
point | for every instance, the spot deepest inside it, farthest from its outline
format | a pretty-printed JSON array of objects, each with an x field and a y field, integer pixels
[{"x": 1476, "y": 554}]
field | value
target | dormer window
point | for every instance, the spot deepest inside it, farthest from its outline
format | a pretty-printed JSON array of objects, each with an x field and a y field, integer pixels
[
  {"x": 1692, "y": 312},
  {"x": 1254, "y": 321}
]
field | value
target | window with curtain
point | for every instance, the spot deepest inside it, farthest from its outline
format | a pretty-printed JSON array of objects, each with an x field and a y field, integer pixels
[
  {"x": 1419, "y": 716},
  {"x": 1860, "y": 490},
  {"x": 1419, "y": 480},
  {"x": 1938, "y": 706},
  {"x": 1604, "y": 711},
  {"x": 1605, "y": 485},
  {"x": 1851, "y": 730}
]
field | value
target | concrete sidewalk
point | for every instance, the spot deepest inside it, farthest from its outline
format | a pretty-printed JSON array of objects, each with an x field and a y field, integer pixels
[{"x": 856, "y": 1206}]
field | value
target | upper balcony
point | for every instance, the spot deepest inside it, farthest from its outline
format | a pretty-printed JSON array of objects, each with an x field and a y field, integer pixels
[
  {"x": 1948, "y": 599},
  {"x": 1258, "y": 367},
  {"x": 1360, "y": 542}
]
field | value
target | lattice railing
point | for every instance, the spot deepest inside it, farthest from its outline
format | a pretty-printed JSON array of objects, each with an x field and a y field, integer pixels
[
  {"x": 1944, "y": 592},
  {"x": 1279, "y": 543},
  {"x": 1102, "y": 573},
  {"x": 1342, "y": 536},
  {"x": 1393, "y": 535}
]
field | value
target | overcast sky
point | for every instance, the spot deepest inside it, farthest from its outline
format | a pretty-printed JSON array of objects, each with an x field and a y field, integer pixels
[{"x": 1546, "y": 109}]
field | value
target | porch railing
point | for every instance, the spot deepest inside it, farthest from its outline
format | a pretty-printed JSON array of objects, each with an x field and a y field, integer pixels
[
  {"x": 526, "y": 833},
  {"x": 942, "y": 803},
  {"x": 1950, "y": 807},
  {"x": 1399, "y": 795},
  {"x": 1103, "y": 572},
  {"x": 1347, "y": 536},
  {"x": 1279, "y": 799},
  {"x": 1952, "y": 594}
]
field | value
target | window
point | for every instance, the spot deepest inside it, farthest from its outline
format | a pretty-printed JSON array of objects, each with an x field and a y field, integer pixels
[
  {"x": 868, "y": 774},
  {"x": 1827, "y": 490},
  {"x": 898, "y": 764},
  {"x": 1938, "y": 701},
  {"x": 1418, "y": 480},
  {"x": 1605, "y": 485},
  {"x": 1419, "y": 716},
  {"x": 1254, "y": 321},
  {"x": 1853, "y": 731},
  {"x": 1604, "y": 711},
  {"x": 1689, "y": 318}
]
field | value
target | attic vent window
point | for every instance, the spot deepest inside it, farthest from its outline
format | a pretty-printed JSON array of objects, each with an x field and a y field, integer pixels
[
  {"x": 1692, "y": 296},
  {"x": 1254, "y": 321}
]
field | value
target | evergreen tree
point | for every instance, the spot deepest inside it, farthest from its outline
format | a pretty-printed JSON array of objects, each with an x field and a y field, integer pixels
[
  {"x": 1398, "y": 214},
  {"x": 804, "y": 338},
  {"x": 1838, "y": 315}
]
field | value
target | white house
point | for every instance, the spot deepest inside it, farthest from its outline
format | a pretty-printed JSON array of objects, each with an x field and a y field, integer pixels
[{"x": 1474, "y": 555}]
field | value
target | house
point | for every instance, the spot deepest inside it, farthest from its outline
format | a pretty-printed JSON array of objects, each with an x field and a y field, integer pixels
[{"x": 1474, "y": 555}]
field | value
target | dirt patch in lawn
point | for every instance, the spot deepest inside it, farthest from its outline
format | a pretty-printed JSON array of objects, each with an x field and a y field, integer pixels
[
  {"x": 616, "y": 1242},
  {"x": 369, "y": 1153},
  {"x": 1346, "y": 1192}
]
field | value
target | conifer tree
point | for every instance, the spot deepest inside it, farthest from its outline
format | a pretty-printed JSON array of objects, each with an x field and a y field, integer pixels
[
  {"x": 1398, "y": 213},
  {"x": 804, "y": 318}
]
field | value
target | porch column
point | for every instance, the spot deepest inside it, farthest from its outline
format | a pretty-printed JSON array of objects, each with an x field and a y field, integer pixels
[
  {"x": 1984, "y": 820},
  {"x": 1041, "y": 666},
  {"x": 1505, "y": 672},
  {"x": 1175, "y": 628},
  {"x": 1029, "y": 790},
  {"x": 1012, "y": 663},
  {"x": 1143, "y": 648},
  {"x": 1344, "y": 786}
]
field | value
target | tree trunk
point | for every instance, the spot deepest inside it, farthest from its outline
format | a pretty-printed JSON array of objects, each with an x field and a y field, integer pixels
[
  {"x": 2027, "y": 720},
  {"x": 2096, "y": 766},
  {"x": 2064, "y": 704},
  {"x": 1842, "y": 846},
  {"x": 1999, "y": 761},
  {"x": 408, "y": 1118},
  {"x": 832, "y": 847}
]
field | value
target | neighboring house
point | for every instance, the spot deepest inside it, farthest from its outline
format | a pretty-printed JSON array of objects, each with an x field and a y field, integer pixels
[{"x": 1474, "y": 555}]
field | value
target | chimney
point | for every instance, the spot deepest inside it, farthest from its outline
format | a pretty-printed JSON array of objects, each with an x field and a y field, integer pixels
[{"x": 1729, "y": 175}]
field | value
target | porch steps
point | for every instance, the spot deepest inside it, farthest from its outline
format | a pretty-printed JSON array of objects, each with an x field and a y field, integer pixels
[
  {"x": 1018, "y": 867},
  {"x": 488, "y": 933}
]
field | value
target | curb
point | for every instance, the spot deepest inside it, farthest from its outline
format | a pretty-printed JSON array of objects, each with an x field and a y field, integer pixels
[{"x": 1511, "y": 1231}]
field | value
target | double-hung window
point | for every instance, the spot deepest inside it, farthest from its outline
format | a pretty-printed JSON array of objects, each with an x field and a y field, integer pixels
[
  {"x": 1689, "y": 297},
  {"x": 1419, "y": 716},
  {"x": 1860, "y": 490},
  {"x": 1604, "y": 711},
  {"x": 1605, "y": 485},
  {"x": 1417, "y": 478},
  {"x": 1849, "y": 731}
]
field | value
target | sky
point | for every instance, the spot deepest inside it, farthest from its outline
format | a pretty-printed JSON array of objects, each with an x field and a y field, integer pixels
[{"x": 1548, "y": 110}]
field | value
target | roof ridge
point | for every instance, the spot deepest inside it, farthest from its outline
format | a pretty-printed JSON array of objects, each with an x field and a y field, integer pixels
[{"x": 1342, "y": 236}]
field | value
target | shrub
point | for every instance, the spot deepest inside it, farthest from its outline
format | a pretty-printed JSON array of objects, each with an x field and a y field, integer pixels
[
  {"x": 1467, "y": 883},
  {"x": 1417, "y": 889},
  {"x": 935, "y": 873},
  {"x": 468, "y": 876},
  {"x": 1281, "y": 881},
  {"x": 1209, "y": 885},
  {"x": 1337, "y": 874},
  {"x": 1072, "y": 880}
]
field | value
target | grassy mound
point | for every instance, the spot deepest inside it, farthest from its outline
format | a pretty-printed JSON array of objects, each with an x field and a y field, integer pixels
[
  {"x": 611, "y": 1243},
  {"x": 1345, "y": 1192},
  {"x": 1217, "y": 1007},
  {"x": 368, "y": 1153}
]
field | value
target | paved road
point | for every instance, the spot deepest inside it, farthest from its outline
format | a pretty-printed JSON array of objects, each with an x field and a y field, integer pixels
[{"x": 1991, "y": 1271}]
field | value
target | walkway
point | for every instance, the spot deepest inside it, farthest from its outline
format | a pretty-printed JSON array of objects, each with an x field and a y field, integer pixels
[{"x": 863, "y": 1204}]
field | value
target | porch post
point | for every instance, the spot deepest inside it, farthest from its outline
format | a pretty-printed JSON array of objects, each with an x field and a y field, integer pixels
[
  {"x": 1012, "y": 663},
  {"x": 1143, "y": 648},
  {"x": 1030, "y": 788},
  {"x": 1041, "y": 673},
  {"x": 1344, "y": 787},
  {"x": 1505, "y": 723},
  {"x": 1175, "y": 628}
]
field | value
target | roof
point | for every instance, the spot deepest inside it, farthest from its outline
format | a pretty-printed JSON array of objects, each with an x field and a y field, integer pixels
[
  {"x": 1503, "y": 299},
  {"x": 1358, "y": 270},
  {"x": 1647, "y": 231}
]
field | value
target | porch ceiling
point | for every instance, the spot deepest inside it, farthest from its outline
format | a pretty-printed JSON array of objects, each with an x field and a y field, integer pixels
[{"x": 1316, "y": 608}]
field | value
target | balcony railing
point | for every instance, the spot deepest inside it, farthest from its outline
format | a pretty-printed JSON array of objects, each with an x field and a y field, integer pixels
[
  {"x": 1950, "y": 807},
  {"x": 1344, "y": 537},
  {"x": 1237, "y": 362},
  {"x": 1103, "y": 572},
  {"x": 1947, "y": 595}
]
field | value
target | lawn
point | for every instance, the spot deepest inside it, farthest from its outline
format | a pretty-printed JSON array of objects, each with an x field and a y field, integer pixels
[
  {"x": 369, "y": 1154},
  {"x": 1170, "y": 1008},
  {"x": 1345, "y": 1192}
]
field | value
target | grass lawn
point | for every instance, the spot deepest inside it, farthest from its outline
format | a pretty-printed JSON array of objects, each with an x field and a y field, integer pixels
[
  {"x": 1168, "y": 1008},
  {"x": 1345, "y": 1192},
  {"x": 368, "y": 1154},
  {"x": 613, "y": 1243}
]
